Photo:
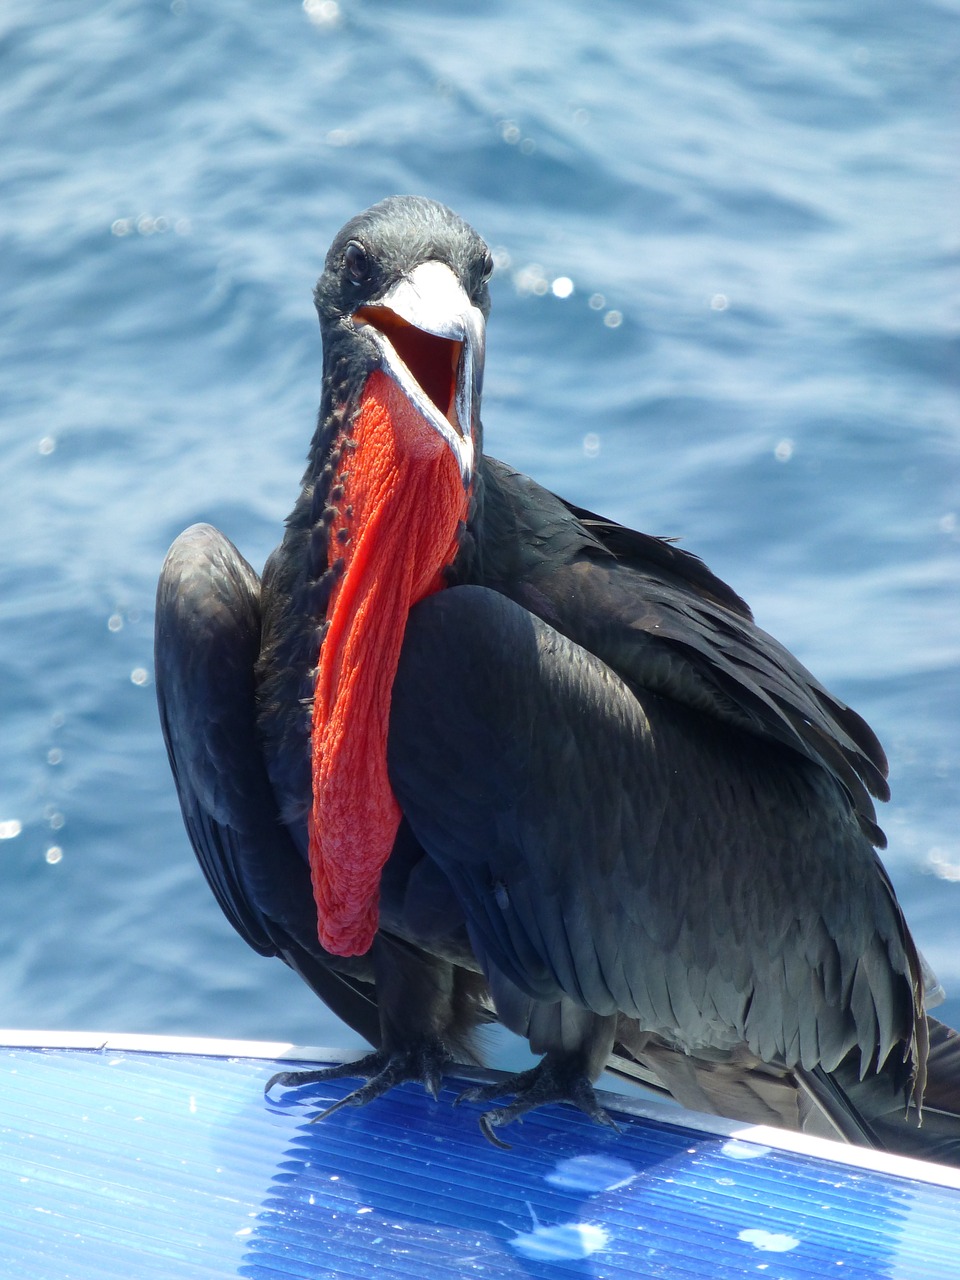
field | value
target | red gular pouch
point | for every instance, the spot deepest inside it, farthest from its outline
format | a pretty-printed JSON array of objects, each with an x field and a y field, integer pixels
[{"x": 396, "y": 530}]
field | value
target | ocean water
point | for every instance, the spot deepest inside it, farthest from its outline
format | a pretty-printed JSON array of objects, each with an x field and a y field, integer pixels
[{"x": 725, "y": 309}]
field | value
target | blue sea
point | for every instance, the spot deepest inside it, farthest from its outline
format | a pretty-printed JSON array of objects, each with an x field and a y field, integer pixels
[{"x": 725, "y": 309}]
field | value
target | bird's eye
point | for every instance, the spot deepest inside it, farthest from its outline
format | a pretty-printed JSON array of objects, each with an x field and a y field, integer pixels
[
  {"x": 486, "y": 270},
  {"x": 356, "y": 262}
]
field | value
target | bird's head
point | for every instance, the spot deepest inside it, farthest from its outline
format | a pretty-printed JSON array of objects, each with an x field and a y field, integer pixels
[{"x": 404, "y": 291}]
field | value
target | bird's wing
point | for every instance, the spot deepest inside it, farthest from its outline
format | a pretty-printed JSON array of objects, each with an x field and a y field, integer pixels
[
  {"x": 636, "y": 854},
  {"x": 207, "y": 642},
  {"x": 666, "y": 638},
  {"x": 658, "y": 617},
  {"x": 661, "y": 556}
]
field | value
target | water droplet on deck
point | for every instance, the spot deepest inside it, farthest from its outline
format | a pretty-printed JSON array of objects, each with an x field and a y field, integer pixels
[
  {"x": 592, "y": 1173},
  {"x": 567, "y": 1242},
  {"x": 768, "y": 1241},
  {"x": 738, "y": 1150}
]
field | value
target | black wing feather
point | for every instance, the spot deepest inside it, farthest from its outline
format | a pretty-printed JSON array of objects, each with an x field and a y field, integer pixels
[
  {"x": 658, "y": 617},
  {"x": 207, "y": 642},
  {"x": 678, "y": 870}
]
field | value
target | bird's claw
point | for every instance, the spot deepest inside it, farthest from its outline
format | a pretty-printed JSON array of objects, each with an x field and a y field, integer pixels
[
  {"x": 368, "y": 1066},
  {"x": 381, "y": 1070},
  {"x": 531, "y": 1089}
]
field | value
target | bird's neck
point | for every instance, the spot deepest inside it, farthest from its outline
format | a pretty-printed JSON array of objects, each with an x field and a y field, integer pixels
[{"x": 397, "y": 503}]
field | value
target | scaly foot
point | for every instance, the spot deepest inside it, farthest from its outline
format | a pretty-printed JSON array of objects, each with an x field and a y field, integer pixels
[
  {"x": 381, "y": 1070},
  {"x": 552, "y": 1080}
]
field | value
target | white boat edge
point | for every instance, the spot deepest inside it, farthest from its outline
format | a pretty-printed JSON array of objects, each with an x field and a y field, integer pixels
[{"x": 763, "y": 1135}]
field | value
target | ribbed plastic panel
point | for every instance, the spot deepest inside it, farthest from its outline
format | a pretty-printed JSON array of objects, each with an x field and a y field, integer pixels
[{"x": 143, "y": 1165}]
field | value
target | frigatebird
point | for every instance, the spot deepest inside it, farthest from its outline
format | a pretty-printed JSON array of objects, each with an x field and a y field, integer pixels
[{"x": 469, "y": 751}]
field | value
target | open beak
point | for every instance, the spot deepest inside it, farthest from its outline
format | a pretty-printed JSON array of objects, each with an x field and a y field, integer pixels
[{"x": 430, "y": 338}]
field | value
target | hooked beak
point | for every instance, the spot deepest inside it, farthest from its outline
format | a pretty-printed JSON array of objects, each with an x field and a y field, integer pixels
[{"x": 430, "y": 338}]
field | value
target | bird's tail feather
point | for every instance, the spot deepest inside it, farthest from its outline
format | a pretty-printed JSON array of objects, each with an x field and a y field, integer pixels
[{"x": 870, "y": 1112}]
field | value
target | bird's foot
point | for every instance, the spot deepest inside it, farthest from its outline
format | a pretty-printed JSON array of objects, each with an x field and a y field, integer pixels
[
  {"x": 382, "y": 1070},
  {"x": 552, "y": 1080}
]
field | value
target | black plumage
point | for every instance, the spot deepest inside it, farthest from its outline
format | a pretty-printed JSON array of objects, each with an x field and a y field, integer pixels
[{"x": 633, "y": 826}]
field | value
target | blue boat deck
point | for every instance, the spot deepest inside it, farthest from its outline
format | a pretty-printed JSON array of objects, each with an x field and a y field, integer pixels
[{"x": 137, "y": 1158}]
